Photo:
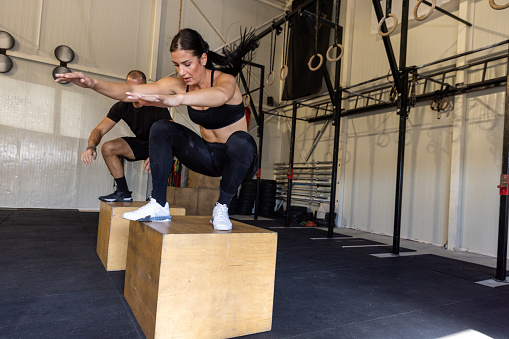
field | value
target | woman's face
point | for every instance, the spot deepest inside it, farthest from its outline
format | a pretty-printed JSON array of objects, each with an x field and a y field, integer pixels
[{"x": 189, "y": 67}]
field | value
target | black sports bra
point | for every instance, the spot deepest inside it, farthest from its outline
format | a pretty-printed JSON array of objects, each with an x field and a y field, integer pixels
[{"x": 216, "y": 117}]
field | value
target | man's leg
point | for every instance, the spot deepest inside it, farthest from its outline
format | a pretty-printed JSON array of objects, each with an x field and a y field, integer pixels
[{"x": 111, "y": 152}]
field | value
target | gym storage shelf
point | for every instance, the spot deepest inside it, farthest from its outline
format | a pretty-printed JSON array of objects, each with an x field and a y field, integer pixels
[{"x": 311, "y": 184}]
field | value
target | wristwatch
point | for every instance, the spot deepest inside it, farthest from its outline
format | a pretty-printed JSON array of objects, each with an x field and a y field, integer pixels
[{"x": 92, "y": 146}]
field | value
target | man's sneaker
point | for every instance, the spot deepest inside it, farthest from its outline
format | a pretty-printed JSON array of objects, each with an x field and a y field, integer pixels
[
  {"x": 150, "y": 212},
  {"x": 220, "y": 218},
  {"x": 117, "y": 196}
]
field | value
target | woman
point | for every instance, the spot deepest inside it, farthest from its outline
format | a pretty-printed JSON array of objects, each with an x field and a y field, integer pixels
[{"x": 207, "y": 86}]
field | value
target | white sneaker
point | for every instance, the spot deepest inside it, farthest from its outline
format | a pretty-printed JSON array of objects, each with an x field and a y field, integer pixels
[
  {"x": 150, "y": 212},
  {"x": 220, "y": 218}
]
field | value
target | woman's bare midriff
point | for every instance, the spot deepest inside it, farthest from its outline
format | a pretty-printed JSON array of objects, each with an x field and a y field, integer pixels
[{"x": 222, "y": 134}]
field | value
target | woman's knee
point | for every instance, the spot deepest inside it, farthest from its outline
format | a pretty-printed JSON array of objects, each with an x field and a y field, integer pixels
[
  {"x": 160, "y": 129},
  {"x": 241, "y": 142}
]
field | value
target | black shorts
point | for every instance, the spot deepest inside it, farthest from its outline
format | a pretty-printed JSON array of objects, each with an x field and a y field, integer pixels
[{"x": 139, "y": 148}]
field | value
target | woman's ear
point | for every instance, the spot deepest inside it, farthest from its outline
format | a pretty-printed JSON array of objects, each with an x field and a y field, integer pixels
[{"x": 203, "y": 59}]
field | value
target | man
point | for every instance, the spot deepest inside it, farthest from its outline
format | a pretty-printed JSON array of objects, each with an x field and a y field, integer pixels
[{"x": 139, "y": 118}]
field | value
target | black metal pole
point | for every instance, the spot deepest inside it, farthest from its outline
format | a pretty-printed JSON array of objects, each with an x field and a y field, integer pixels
[
  {"x": 335, "y": 161},
  {"x": 290, "y": 166},
  {"x": 403, "y": 114},
  {"x": 336, "y": 101},
  {"x": 504, "y": 202},
  {"x": 261, "y": 125}
]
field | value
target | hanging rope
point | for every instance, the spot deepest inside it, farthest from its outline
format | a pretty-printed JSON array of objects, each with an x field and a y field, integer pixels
[
  {"x": 320, "y": 57},
  {"x": 283, "y": 73},
  {"x": 336, "y": 43},
  {"x": 412, "y": 100},
  {"x": 270, "y": 77},
  {"x": 498, "y": 7},
  {"x": 425, "y": 16},
  {"x": 180, "y": 15},
  {"x": 247, "y": 97},
  {"x": 388, "y": 9}
]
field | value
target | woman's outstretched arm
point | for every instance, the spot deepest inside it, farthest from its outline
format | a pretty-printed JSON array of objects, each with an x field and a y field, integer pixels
[
  {"x": 223, "y": 92},
  {"x": 119, "y": 90}
]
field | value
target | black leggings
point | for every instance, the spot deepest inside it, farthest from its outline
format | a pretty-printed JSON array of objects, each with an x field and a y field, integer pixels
[{"x": 234, "y": 160}]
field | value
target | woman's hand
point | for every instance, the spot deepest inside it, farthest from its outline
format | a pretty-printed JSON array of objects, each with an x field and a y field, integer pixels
[
  {"x": 77, "y": 78},
  {"x": 156, "y": 99}
]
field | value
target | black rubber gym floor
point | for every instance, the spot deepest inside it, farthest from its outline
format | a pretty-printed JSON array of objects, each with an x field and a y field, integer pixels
[{"x": 53, "y": 285}]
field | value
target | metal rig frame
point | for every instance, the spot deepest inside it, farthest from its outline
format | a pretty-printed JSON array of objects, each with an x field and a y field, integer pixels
[{"x": 401, "y": 82}]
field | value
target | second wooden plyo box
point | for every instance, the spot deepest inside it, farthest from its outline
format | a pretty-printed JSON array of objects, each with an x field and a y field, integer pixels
[{"x": 113, "y": 232}]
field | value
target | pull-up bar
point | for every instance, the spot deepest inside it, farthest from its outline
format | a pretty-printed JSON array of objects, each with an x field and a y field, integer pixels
[{"x": 441, "y": 10}]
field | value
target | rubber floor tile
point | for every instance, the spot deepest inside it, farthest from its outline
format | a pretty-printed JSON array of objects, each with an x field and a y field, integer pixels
[{"x": 92, "y": 314}]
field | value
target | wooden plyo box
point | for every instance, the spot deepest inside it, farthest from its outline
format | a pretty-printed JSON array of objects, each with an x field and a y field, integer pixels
[
  {"x": 196, "y": 201},
  {"x": 198, "y": 180},
  {"x": 186, "y": 280},
  {"x": 113, "y": 232}
]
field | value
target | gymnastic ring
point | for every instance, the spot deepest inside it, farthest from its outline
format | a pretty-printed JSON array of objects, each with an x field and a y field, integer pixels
[
  {"x": 444, "y": 103},
  {"x": 283, "y": 73},
  {"x": 330, "y": 49},
  {"x": 434, "y": 105},
  {"x": 311, "y": 61},
  {"x": 393, "y": 93},
  {"x": 425, "y": 16},
  {"x": 392, "y": 28},
  {"x": 270, "y": 78},
  {"x": 498, "y": 7},
  {"x": 246, "y": 100}
]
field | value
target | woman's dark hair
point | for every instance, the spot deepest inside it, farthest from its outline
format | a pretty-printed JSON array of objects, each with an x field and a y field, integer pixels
[{"x": 233, "y": 59}]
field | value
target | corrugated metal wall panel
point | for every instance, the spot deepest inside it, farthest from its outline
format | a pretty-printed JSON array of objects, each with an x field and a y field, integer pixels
[
  {"x": 65, "y": 23},
  {"x": 482, "y": 165},
  {"x": 115, "y": 34},
  {"x": 20, "y": 19}
]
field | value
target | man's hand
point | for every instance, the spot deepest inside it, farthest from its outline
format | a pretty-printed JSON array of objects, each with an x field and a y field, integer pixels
[
  {"x": 146, "y": 165},
  {"x": 89, "y": 155}
]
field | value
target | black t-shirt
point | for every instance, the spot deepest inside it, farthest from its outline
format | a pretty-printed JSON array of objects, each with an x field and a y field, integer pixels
[{"x": 140, "y": 119}]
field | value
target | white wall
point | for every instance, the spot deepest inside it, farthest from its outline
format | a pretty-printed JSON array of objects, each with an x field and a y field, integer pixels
[
  {"x": 44, "y": 126},
  {"x": 452, "y": 164}
]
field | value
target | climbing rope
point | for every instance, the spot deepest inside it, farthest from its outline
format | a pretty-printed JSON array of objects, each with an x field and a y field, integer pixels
[
  {"x": 284, "y": 70},
  {"x": 270, "y": 77},
  {"x": 336, "y": 43},
  {"x": 180, "y": 15}
]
